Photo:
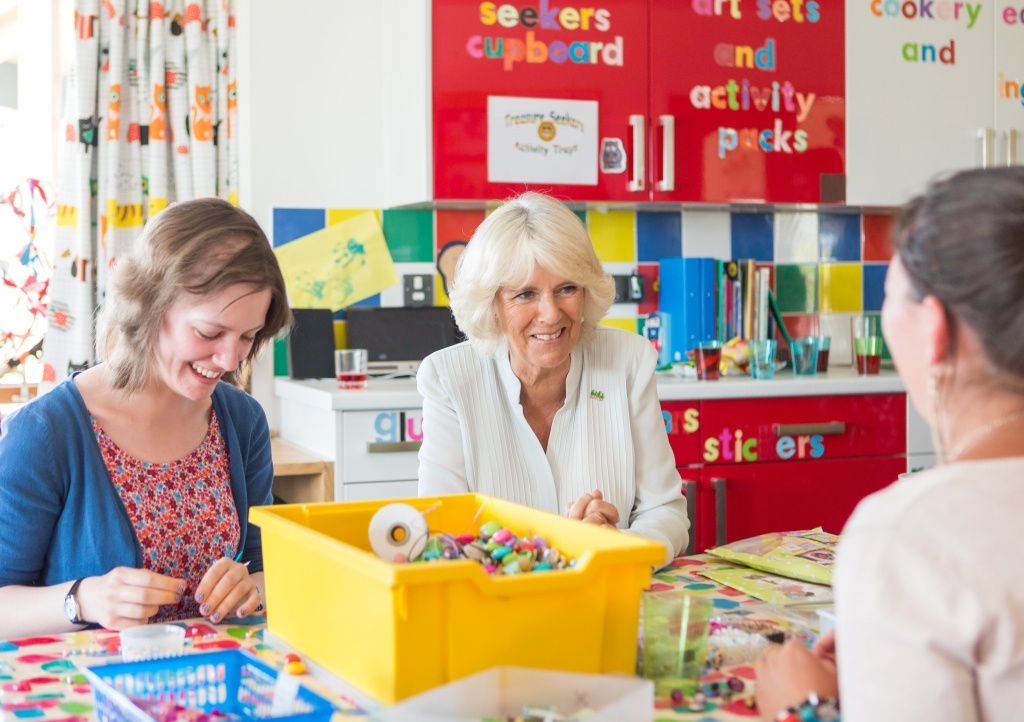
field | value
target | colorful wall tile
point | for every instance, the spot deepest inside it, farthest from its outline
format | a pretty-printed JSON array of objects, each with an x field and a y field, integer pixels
[
  {"x": 613, "y": 234},
  {"x": 827, "y": 266}
]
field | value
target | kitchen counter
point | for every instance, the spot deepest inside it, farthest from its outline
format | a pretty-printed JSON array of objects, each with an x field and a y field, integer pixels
[{"x": 401, "y": 393}]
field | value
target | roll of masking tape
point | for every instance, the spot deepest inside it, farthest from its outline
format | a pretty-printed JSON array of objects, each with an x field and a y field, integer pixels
[{"x": 398, "y": 532}]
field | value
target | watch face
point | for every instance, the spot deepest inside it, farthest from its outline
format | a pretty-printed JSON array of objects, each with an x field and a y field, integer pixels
[{"x": 71, "y": 608}]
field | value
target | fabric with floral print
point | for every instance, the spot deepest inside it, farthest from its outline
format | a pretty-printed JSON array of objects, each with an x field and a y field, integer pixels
[{"x": 183, "y": 511}]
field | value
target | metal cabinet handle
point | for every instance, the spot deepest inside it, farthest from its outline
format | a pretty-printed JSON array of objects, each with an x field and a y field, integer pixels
[
  {"x": 986, "y": 135},
  {"x": 1011, "y": 147},
  {"x": 718, "y": 484},
  {"x": 824, "y": 428},
  {"x": 392, "y": 447},
  {"x": 691, "y": 511},
  {"x": 668, "y": 153},
  {"x": 639, "y": 125}
]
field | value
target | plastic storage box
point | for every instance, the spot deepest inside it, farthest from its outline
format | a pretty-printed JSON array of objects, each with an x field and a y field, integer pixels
[
  {"x": 508, "y": 692},
  {"x": 233, "y": 682},
  {"x": 394, "y": 630}
]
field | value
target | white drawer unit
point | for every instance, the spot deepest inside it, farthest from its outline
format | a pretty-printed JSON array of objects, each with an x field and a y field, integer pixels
[
  {"x": 381, "y": 445},
  {"x": 373, "y": 436}
]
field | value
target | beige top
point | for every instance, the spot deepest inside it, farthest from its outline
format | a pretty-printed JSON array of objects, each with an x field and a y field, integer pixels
[{"x": 930, "y": 597}]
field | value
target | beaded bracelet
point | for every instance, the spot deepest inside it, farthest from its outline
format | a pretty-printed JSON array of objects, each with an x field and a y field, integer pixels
[{"x": 812, "y": 709}]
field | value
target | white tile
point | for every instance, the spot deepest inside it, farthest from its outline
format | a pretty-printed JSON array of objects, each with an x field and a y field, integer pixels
[
  {"x": 395, "y": 295},
  {"x": 796, "y": 237},
  {"x": 707, "y": 233}
]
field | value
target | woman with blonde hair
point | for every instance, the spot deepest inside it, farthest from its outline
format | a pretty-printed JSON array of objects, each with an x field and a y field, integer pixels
[
  {"x": 124, "y": 492},
  {"x": 540, "y": 405}
]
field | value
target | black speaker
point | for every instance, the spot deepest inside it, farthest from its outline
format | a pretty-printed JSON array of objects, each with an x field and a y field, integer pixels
[{"x": 311, "y": 344}]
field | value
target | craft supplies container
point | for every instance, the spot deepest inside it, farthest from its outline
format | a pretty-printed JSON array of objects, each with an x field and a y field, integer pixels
[
  {"x": 151, "y": 641},
  {"x": 505, "y": 692},
  {"x": 231, "y": 682},
  {"x": 394, "y": 630}
]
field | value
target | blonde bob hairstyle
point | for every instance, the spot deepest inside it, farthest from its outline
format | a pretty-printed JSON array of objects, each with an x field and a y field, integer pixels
[
  {"x": 528, "y": 231},
  {"x": 192, "y": 249}
]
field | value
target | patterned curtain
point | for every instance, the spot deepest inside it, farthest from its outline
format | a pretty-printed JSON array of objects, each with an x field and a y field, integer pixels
[{"x": 152, "y": 119}]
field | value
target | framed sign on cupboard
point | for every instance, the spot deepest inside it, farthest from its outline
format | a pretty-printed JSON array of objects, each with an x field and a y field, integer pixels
[{"x": 703, "y": 100}]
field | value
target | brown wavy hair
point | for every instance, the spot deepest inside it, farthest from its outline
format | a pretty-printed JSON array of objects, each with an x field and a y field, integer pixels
[{"x": 194, "y": 248}]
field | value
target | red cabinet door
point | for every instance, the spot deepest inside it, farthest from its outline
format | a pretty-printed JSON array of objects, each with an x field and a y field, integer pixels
[
  {"x": 742, "y": 501},
  {"x": 544, "y": 51},
  {"x": 756, "y": 94}
]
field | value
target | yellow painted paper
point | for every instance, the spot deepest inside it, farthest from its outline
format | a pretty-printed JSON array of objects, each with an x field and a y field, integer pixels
[{"x": 339, "y": 265}]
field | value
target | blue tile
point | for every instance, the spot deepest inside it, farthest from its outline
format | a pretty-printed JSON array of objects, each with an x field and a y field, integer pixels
[
  {"x": 874, "y": 285},
  {"x": 292, "y": 223},
  {"x": 373, "y": 300},
  {"x": 839, "y": 236},
  {"x": 753, "y": 236},
  {"x": 658, "y": 235}
]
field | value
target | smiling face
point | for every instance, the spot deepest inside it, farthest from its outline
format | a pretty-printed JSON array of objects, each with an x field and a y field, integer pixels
[
  {"x": 201, "y": 341},
  {"x": 541, "y": 321}
]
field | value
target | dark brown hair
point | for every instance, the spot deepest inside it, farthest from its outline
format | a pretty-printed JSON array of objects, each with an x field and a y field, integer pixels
[
  {"x": 196, "y": 248},
  {"x": 962, "y": 241}
]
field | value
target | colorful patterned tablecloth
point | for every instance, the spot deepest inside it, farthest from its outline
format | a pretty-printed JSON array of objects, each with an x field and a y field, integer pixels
[{"x": 41, "y": 679}]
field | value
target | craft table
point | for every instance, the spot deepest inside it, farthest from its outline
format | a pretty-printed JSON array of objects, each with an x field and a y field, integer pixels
[{"x": 40, "y": 679}]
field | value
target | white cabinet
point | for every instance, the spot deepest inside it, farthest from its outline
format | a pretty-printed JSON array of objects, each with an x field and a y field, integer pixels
[
  {"x": 921, "y": 93},
  {"x": 373, "y": 436},
  {"x": 1009, "y": 83}
]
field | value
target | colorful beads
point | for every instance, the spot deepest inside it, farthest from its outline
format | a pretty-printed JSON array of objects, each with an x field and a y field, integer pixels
[{"x": 498, "y": 549}]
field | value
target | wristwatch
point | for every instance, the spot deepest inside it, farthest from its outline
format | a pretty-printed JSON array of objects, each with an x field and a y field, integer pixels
[{"x": 71, "y": 609}]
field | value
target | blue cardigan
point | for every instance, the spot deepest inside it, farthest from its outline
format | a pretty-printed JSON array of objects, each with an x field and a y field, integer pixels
[{"x": 61, "y": 517}]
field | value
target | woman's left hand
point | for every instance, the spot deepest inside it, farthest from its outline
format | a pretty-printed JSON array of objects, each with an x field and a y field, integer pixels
[
  {"x": 226, "y": 589},
  {"x": 593, "y": 509},
  {"x": 788, "y": 673}
]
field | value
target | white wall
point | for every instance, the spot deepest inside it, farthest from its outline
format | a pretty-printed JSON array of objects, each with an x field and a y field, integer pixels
[{"x": 311, "y": 114}]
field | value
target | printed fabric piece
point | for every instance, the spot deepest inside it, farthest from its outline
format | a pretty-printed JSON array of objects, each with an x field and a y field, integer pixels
[{"x": 183, "y": 512}]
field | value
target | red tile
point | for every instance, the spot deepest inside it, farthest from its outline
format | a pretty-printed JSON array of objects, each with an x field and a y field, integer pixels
[
  {"x": 878, "y": 233},
  {"x": 798, "y": 324},
  {"x": 455, "y": 226},
  {"x": 649, "y": 271}
]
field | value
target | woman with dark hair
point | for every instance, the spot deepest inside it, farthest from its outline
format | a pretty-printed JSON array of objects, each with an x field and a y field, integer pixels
[
  {"x": 541, "y": 406},
  {"x": 930, "y": 610},
  {"x": 124, "y": 492}
]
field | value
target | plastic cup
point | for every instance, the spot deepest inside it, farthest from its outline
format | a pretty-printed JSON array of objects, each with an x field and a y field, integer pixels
[
  {"x": 350, "y": 368},
  {"x": 675, "y": 637},
  {"x": 762, "y": 358},
  {"x": 824, "y": 347},
  {"x": 708, "y": 355},
  {"x": 867, "y": 344},
  {"x": 152, "y": 641},
  {"x": 805, "y": 355}
]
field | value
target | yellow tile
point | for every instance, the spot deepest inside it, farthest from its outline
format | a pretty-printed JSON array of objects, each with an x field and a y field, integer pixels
[
  {"x": 337, "y": 215},
  {"x": 841, "y": 288},
  {"x": 340, "y": 334},
  {"x": 614, "y": 235},
  {"x": 440, "y": 297},
  {"x": 626, "y": 324}
]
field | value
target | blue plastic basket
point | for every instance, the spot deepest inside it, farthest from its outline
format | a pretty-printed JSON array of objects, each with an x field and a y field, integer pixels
[{"x": 232, "y": 682}]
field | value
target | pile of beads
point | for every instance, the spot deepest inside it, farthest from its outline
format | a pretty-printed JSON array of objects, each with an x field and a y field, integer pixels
[{"x": 498, "y": 550}]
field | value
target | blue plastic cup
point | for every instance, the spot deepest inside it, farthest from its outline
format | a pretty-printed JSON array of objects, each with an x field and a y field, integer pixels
[
  {"x": 805, "y": 355},
  {"x": 762, "y": 358}
]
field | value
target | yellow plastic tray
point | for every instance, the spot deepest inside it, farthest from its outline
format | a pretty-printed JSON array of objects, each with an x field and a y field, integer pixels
[{"x": 394, "y": 630}]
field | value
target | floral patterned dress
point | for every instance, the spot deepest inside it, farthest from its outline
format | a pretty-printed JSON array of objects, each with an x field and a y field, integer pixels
[{"x": 183, "y": 511}]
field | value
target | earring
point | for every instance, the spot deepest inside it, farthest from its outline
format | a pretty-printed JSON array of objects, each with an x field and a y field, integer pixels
[{"x": 933, "y": 402}]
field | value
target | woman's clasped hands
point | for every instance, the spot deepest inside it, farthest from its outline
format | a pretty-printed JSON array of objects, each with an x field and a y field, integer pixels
[{"x": 593, "y": 509}]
